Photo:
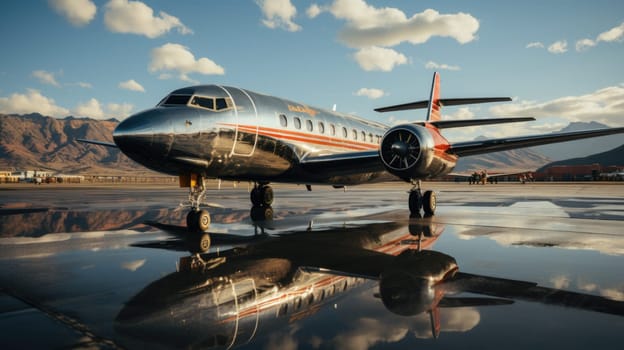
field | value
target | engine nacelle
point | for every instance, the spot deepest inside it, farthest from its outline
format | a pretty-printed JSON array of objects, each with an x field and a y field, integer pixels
[
  {"x": 407, "y": 151},
  {"x": 408, "y": 286}
]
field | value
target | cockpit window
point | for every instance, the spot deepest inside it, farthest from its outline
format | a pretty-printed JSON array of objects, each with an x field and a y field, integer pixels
[
  {"x": 203, "y": 102},
  {"x": 176, "y": 100},
  {"x": 212, "y": 103}
]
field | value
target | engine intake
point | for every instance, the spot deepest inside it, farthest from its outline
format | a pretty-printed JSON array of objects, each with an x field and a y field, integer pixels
[{"x": 407, "y": 151}]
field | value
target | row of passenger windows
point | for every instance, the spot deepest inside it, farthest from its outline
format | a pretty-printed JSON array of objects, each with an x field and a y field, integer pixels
[{"x": 320, "y": 128}]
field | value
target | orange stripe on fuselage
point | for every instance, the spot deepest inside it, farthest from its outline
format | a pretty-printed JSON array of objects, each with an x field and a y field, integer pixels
[{"x": 284, "y": 134}]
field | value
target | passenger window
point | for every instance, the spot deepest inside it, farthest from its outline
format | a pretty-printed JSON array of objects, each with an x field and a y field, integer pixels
[
  {"x": 297, "y": 123},
  {"x": 332, "y": 129},
  {"x": 321, "y": 127},
  {"x": 283, "y": 120},
  {"x": 309, "y": 125},
  {"x": 370, "y": 138},
  {"x": 344, "y": 132},
  {"x": 203, "y": 102},
  {"x": 363, "y": 136},
  {"x": 354, "y": 134}
]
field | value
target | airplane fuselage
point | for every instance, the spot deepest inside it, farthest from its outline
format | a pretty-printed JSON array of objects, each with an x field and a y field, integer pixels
[{"x": 235, "y": 134}]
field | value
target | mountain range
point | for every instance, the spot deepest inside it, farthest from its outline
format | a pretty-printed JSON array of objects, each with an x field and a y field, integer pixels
[{"x": 33, "y": 141}]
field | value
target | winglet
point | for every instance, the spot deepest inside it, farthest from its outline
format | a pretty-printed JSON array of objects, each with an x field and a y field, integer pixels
[{"x": 433, "y": 114}]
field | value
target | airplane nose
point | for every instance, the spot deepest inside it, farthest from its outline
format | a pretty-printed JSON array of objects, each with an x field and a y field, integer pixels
[{"x": 145, "y": 137}]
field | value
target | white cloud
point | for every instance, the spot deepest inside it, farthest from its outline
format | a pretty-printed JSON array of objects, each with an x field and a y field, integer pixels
[
  {"x": 91, "y": 109},
  {"x": 558, "y": 47},
  {"x": 584, "y": 44},
  {"x": 131, "y": 85},
  {"x": 379, "y": 59},
  {"x": 535, "y": 44},
  {"x": 613, "y": 34},
  {"x": 370, "y": 93},
  {"x": 31, "y": 102},
  {"x": 175, "y": 57},
  {"x": 603, "y": 105},
  {"x": 133, "y": 265},
  {"x": 279, "y": 14},
  {"x": 77, "y": 12},
  {"x": 314, "y": 10},
  {"x": 119, "y": 111},
  {"x": 45, "y": 77},
  {"x": 134, "y": 17},
  {"x": 434, "y": 65},
  {"x": 367, "y": 25},
  {"x": 84, "y": 85}
]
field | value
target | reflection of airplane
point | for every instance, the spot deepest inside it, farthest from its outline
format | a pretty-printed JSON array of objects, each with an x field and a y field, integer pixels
[
  {"x": 213, "y": 131},
  {"x": 227, "y": 299}
]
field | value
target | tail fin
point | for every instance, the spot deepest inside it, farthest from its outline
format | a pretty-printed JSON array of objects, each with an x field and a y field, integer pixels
[{"x": 434, "y": 113}]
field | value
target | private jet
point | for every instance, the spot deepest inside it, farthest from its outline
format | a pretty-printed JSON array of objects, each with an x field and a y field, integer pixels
[{"x": 228, "y": 133}]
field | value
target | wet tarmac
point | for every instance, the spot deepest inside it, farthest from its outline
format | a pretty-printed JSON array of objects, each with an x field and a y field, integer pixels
[{"x": 499, "y": 266}]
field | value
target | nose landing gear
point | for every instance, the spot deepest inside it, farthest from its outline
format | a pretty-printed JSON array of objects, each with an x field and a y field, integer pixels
[
  {"x": 261, "y": 199},
  {"x": 197, "y": 220}
]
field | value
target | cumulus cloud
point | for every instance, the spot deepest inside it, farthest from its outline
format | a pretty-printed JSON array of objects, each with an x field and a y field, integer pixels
[
  {"x": 604, "y": 105},
  {"x": 178, "y": 58},
  {"x": 31, "y": 102},
  {"x": 613, "y": 34},
  {"x": 77, "y": 12},
  {"x": 45, "y": 77},
  {"x": 134, "y": 17},
  {"x": 444, "y": 66},
  {"x": 379, "y": 59},
  {"x": 131, "y": 85},
  {"x": 584, "y": 44},
  {"x": 314, "y": 10},
  {"x": 279, "y": 14},
  {"x": 91, "y": 109},
  {"x": 83, "y": 85},
  {"x": 94, "y": 109},
  {"x": 558, "y": 47},
  {"x": 535, "y": 45},
  {"x": 371, "y": 93},
  {"x": 367, "y": 25}
]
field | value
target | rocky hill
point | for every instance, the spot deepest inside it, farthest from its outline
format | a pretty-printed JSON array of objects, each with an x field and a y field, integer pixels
[{"x": 34, "y": 141}]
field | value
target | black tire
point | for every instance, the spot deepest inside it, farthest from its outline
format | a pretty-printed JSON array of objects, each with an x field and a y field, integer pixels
[
  {"x": 199, "y": 243},
  {"x": 254, "y": 196},
  {"x": 414, "y": 202},
  {"x": 191, "y": 220},
  {"x": 261, "y": 213},
  {"x": 429, "y": 203},
  {"x": 266, "y": 195},
  {"x": 203, "y": 220}
]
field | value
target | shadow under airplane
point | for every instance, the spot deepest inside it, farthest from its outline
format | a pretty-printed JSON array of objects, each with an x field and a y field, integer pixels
[{"x": 225, "y": 299}]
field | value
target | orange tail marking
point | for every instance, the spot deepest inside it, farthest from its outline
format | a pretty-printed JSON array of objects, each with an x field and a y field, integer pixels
[{"x": 434, "y": 100}]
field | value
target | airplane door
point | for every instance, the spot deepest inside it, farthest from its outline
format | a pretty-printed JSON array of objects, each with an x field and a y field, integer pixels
[
  {"x": 238, "y": 304},
  {"x": 246, "y": 115}
]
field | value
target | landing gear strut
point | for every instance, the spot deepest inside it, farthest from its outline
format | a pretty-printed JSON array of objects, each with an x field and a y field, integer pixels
[
  {"x": 419, "y": 200},
  {"x": 261, "y": 199},
  {"x": 197, "y": 220}
]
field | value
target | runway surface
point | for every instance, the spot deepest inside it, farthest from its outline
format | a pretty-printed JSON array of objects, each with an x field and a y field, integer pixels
[{"x": 499, "y": 266}]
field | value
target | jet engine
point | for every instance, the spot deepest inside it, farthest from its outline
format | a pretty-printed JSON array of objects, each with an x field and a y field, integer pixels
[
  {"x": 407, "y": 151},
  {"x": 408, "y": 286}
]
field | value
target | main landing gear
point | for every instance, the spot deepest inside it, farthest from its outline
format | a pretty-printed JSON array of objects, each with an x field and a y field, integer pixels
[
  {"x": 419, "y": 200},
  {"x": 261, "y": 199}
]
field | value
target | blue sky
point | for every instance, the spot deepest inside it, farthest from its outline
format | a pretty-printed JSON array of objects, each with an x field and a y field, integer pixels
[{"x": 561, "y": 61}]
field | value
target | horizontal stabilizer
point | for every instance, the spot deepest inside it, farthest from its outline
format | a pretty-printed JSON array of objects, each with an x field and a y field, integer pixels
[
  {"x": 99, "y": 143},
  {"x": 446, "y": 124},
  {"x": 443, "y": 102}
]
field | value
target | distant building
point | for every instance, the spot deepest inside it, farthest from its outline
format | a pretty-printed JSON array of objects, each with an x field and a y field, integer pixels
[{"x": 588, "y": 172}]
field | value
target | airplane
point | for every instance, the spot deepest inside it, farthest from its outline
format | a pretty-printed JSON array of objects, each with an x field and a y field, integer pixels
[
  {"x": 232, "y": 297},
  {"x": 229, "y": 133}
]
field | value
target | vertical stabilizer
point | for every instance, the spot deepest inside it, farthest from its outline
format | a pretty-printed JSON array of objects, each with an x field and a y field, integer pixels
[{"x": 434, "y": 113}]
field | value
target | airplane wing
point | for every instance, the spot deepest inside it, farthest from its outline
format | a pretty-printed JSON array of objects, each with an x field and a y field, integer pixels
[
  {"x": 471, "y": 148},
  {"x": 99, "y": 143},
  {"x": 344, "y": 163}
]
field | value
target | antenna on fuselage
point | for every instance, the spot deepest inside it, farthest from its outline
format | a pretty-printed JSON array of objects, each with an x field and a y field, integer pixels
[{"x": 334, "y": 107}]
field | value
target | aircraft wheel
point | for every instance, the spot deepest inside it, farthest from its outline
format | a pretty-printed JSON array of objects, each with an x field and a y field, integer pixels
[
  {"x": 199, "y": 243},
  {"x": 255, "y": 196},
  {"x": 429, "y": 203},
  {"x": 266, "y": 194},
  {"x": 415, "y": 202},
  {"x": 261, "y": 213},
  {"x": 191, "y": 220},
  {"x": 203, "y": 220}
]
